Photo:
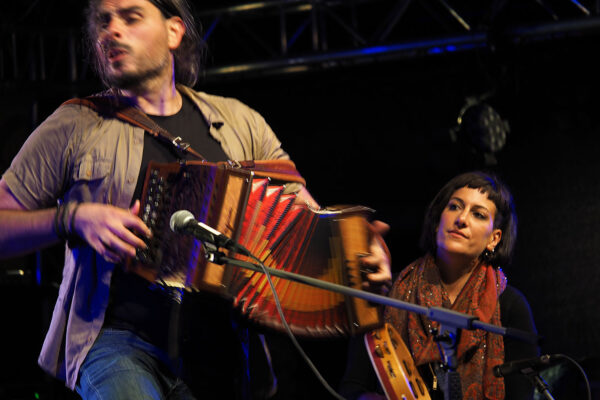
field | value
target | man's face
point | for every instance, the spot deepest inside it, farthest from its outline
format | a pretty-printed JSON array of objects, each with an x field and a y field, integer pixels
[{"x": 133, "y": 43}]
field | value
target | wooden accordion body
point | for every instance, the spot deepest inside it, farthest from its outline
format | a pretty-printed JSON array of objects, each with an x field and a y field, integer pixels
[{"x": 259, "y": 215}]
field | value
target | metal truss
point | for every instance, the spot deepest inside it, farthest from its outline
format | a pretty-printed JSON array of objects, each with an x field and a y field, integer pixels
[
  {"x": 295, "y": 35},
  {"x": 249, "y": 39}
]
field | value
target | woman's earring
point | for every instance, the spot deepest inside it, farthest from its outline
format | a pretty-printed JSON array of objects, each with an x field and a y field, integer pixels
[{"x": 487, "y": 253}]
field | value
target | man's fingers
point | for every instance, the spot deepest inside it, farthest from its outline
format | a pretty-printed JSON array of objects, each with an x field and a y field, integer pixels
[
  {"x": 379, "y": 276},
  {"x": 95, "y": 217},
  {"x": 128, "y": 237},
  {"x": 113, "y": 243},
  {"x": 105, "y": 251},
  {"x": 376, "y": 266},
  {"x": 378, "y": 287},
  {"x": 127, "y": 219},
  {"x": 135, "y": 208},
  {"x": 111, "y": 231},
  {"x": 380, "y": 227},
  {"x": 376, "y": 272},
  {"x": 111, "y": 256},
  {"x": 370, "y": 261}
]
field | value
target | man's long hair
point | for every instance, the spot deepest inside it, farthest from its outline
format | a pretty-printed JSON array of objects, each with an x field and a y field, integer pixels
[{"x": 188, "y": 56}]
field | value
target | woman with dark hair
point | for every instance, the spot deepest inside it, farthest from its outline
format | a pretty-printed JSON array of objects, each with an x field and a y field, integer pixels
[{"x": 469, "y": 231}]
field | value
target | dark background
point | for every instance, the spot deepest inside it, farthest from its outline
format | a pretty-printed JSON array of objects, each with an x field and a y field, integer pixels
[{"x": 378, "y": 135}]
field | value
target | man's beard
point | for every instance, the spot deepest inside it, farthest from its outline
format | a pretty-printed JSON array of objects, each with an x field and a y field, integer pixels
[{"x": 137, "y": 79}]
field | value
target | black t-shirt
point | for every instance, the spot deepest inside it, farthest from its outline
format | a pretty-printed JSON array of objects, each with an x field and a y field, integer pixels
[
  {"x": 135, "y": 304},
  {"x": 190, "y": 125}
]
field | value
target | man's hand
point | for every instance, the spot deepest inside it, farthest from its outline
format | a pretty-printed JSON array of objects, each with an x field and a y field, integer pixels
[
  {"x": 378, "y": 261},
  {"x": 110, "y": 230}
]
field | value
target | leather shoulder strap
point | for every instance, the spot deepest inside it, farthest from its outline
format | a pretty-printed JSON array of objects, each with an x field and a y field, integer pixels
[
  {"x": 283, "y": 170},
  {"x": 134, "y": 116}
]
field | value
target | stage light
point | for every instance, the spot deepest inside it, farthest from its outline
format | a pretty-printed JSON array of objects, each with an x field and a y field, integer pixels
[{"x": 481, "y": 128}]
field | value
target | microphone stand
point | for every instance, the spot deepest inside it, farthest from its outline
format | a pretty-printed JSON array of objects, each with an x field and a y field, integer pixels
[
  {"x": 451, "y": 322},
  {"x": 540, "y": 384}
]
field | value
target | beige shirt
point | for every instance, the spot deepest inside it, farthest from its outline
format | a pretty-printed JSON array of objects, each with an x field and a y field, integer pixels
[{"x": 78, "y": 155}]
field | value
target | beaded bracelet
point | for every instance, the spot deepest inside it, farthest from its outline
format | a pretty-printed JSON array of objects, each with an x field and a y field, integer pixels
[
  {"x": 63, "y": 221},
  {"x": 63, "y": 230},
  {"x": 72, "y": 234},
  {"x": 59, "y": 227}
]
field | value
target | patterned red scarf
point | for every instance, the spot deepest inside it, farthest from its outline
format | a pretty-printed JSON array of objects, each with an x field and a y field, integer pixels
[{"x": 478, "y": 351}]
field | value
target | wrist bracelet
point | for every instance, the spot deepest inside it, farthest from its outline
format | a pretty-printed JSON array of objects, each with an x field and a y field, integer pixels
[
  {"x": 63, "y": 221},
  {"x": 71, "y": 233},
  {"x": 59, "y": 226}
]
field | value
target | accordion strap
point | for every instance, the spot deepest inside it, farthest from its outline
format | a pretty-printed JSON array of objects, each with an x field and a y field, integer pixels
[
  {"x": 128, "y": 113},
  {"x": 282, "y": 170}
]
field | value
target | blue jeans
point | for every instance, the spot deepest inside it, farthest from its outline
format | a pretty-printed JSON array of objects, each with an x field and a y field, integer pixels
[{"x": 120, "y": 365}]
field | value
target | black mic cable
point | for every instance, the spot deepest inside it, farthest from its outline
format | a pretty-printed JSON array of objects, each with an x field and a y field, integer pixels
[
  {"x": 291, "y": 334},
  {"x": 183, "y": 221},
  {"x": 533, "y": 365}
]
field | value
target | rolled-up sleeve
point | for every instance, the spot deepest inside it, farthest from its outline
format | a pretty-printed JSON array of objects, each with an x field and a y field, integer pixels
[{"x": 37, "y": 174}]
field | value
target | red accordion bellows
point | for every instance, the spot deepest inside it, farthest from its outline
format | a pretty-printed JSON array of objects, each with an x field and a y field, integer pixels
[{"x": 284, "y": 235}]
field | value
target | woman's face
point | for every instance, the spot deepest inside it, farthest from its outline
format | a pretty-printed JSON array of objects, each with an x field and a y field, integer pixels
[{"x": 466, "y": 225}]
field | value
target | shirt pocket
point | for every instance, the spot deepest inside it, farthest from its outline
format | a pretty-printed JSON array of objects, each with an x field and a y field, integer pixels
[
  {"x": 91, "y": 169},
  {"x": 92, "y": 178}
]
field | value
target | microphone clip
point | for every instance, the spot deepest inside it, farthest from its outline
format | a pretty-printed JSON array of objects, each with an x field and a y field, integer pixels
[{"x": 212, "y": 253}]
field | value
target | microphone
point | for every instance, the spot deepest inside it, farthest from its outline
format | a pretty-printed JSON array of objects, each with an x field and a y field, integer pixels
[
  {"x": 535, "y": 364},
  {"x": 183, "y": 221}
]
